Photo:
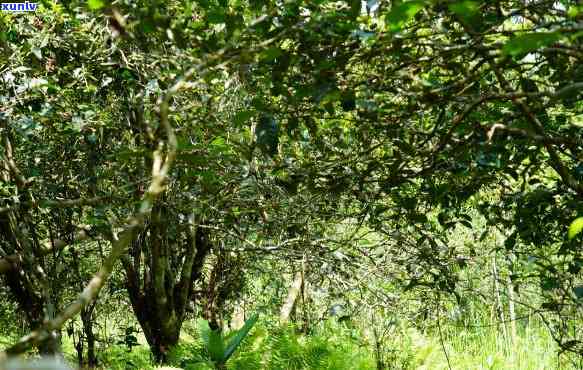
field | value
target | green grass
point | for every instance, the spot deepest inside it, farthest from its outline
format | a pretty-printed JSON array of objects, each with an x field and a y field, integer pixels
[
  {"x": 532, "y": 349},
  {"x": 335, "y": 346},
  {"x": 486, "y": 348}
]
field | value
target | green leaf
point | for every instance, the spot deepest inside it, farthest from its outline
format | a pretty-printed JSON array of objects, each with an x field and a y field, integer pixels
[
  {"x": 578, "y": 290},
  {"x": 216, "y": 17},
  {"x": 574, "y": 10},
  {"x": 95, "y": 4},
  {"x": 258, "y": 104},
  {"x": 466, "y": 224},
  {"x": 418, "y": 217},
  {"x": 219, "y": 146},
  {"x": 204, "y": 331},
  {"x": 216, "y": 347},
  {"x": 355, "y": 7},
  {"x": 575, "y": 227},
  {"x": 213, "y": 341},
  {"x": 257, "y": 4},
  {"x": 402, "y": 13},
  {"x": 550, "y": 283},
  {"x": 271, "y": 54},
  {"x": 193, "y": 159},
  {"x": 238, "y": 338},
  {"x": 465, "y": 8},
  {"x": 267, "y": 133},
  {"x": 242, "y": 117},
  {"x": 467, "y": 11},
  {"x": 37, "y": 53},
  {"x": 528, "y": 42}
]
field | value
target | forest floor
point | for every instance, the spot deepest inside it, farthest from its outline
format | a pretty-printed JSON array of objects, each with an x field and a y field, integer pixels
[{"x": 334, "y": 346}]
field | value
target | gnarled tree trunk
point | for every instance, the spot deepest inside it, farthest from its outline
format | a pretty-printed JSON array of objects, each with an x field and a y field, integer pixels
[{"x": 160, "y": 273}]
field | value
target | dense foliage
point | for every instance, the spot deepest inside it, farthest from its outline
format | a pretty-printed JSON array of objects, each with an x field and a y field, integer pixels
[{"x": 373, "y": 163}]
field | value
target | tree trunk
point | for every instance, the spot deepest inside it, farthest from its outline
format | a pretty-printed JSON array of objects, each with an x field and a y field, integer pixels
[
  {"x": 79, "y": 349},
  {"x": 498, "y": 297},
  {"x": 162, "y": 339},
  {"x": 87, "y": 320},
  {"x": 91, "y": 358},
  {"x": 24, "y": 274},
  {"x": 161, "y": 327},
  {"x": 31, "y": 304},
  {"x": 292, "y": 296},
  {"x": 304, "y": 288},
  {"x": 160, "y": 291},
  {"x": 378, "y": 350},
  {"x": 511, "y": 309},
  {"x": 21, "y": 269}
]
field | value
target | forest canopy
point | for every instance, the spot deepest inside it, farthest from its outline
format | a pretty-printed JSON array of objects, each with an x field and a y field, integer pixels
[{"x": 367, "y": 164}]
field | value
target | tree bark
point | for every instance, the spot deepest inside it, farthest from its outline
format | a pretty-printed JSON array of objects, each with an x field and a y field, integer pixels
[
  {"x": 23, "y": 269},
  {"x": 500, "y": 310},
  {"x": 292, "y": 296},
  {"x": 24, "y": 288},
  {"x": 87, "y": 320},
  {"x": 511, "y": 308},
  {"x": 159, "y": 293}
]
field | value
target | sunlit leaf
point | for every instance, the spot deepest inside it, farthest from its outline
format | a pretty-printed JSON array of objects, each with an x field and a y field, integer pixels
[
  {"x": 37, "y": 53},
  {"x": 402, "y": 13},
  {"x": 575, "y": 227},
  {"x": 95, "y": 4},
  {"x": 529, "y": 42}
]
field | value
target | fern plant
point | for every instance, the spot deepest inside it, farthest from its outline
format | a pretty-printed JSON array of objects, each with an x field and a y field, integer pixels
[{"x": 220, "y": 348}]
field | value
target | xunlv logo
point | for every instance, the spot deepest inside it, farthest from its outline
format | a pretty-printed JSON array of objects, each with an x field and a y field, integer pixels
[{"x": 19, "y": 7}]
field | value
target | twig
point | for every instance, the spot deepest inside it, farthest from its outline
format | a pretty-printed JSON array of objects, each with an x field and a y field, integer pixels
[{"x": 441, "y": 337}]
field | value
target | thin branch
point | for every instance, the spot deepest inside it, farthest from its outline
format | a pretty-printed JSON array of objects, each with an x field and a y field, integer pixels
[
  {"x": 556, "y": 162},
  {"x": 7, "y": 263},
  {"x": 60, "y": 203}
]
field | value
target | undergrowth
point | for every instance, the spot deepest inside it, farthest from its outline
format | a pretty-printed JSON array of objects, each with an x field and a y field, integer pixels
[{"x": 336, "y": 346}]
